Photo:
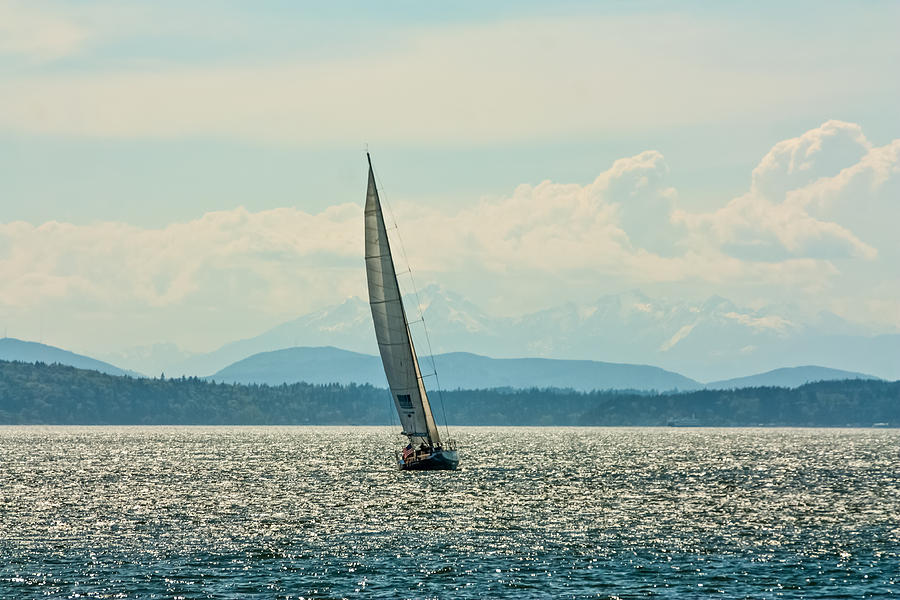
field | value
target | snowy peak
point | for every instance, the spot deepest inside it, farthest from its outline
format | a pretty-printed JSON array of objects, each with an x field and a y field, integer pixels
[
  {"x": 714, "y": 339},
  {"x": 343, "y": 317},
  {"x": 444, "y": 307}
]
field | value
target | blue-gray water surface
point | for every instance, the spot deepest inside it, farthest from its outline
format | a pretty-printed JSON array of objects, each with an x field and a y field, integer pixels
[{"x": 318, "y": 512}]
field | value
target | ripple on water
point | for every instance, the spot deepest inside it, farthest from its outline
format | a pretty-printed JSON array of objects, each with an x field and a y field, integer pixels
[{"x": 321, "y": 512}]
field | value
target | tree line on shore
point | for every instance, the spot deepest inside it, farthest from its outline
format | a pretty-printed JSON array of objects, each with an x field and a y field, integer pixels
[{"x": 38, "y": 393}]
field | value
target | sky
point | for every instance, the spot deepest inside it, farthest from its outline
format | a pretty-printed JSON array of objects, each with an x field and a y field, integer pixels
[{"x": 194, "y": 173}]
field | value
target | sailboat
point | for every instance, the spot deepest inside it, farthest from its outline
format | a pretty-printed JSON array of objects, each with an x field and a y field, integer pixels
[{"x": 426, "y": 450}]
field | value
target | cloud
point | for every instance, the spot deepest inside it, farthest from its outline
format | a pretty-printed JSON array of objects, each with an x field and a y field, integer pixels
[
  {"x": 864, "y": 197},
  {"x": 753, "y": 228},
  {"x": 606, "y": 226},
  {"x": 37, "y": 34},
  {"x": 624, "y": 228},
  {"x": 229, "y": 258},
  {"x": 535, "y": 247},
  {"x": 820, "y": 152},
  {"x": 285, "y": 261},
  {"x": 452, "y": 84},
  {"x": 806, "y": 198}
]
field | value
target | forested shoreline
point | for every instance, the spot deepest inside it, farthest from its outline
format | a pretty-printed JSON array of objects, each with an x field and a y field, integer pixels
[{"x": 37, "y": 393}]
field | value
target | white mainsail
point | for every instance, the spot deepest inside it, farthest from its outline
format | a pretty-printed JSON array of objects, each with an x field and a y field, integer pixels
[{"x": 392, "y": 328}]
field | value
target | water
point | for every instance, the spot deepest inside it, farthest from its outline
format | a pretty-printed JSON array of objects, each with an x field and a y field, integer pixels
[{"x": 310, "y": 512}]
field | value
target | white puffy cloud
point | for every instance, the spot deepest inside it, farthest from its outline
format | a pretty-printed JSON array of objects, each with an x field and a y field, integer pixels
[
  {"x": 623, "y": 228},
  {"x": 235, "y": 269},
  {"x": 864, "y": 197},
  {"x": 232, "y": 273},
  {"x": 820, "y": 152},
  {"x": 824, "y": 195}
]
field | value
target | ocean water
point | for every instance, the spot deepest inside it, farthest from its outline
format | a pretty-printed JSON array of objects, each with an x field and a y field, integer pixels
[{"x": 315, "y": 512}]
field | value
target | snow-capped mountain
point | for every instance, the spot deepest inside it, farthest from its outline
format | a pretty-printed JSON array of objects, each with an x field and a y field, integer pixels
[{"x": 709, "y": 340}]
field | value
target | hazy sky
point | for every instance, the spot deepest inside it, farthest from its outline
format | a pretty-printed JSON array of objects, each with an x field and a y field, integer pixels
[{"x": 195, "y": 172}]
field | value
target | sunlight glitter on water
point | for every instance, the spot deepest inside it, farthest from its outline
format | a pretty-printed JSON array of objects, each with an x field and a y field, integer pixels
[{"x": 322, "y": 512}]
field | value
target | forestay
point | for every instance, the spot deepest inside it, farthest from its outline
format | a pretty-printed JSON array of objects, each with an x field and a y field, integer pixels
[{"x": 392, "y": 328}]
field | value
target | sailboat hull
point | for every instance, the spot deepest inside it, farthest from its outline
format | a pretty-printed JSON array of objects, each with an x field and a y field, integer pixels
[{"x": 443, "y": 460}]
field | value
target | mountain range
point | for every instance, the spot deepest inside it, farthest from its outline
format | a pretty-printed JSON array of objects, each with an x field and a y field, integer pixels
[
  {"x": 12, "y": 349},
  {"x": 711, "y": 340},
  {"x": 788, "y": 377},
  {"x": 463, "y": 370},
  {"x": 458, "y": 370}
]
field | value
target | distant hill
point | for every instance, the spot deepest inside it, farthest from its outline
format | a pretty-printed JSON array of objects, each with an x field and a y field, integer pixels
[
  {"x": 462, "y": 370},
  {"x": 789, "y": 377},
  {"x": 348, "y": 324},
  {"x": 457, "y": 370},
  {"x": 62, "y": 395},
  {"x": 318, "y": 365},
  {"x": 19, "y": 350}
]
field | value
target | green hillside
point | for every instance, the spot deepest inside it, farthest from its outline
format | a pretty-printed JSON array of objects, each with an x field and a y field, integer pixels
[{"x": 56, "y": 394}]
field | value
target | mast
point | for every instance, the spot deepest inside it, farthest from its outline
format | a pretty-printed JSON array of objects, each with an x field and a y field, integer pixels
[{"x": 398, "y": 355}]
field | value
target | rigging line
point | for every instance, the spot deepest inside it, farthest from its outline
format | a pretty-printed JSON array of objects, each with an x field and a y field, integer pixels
[{"x": 437, "y": 381}]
